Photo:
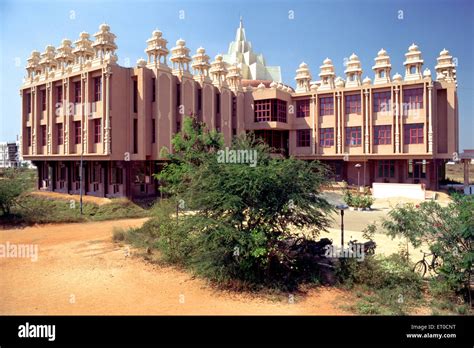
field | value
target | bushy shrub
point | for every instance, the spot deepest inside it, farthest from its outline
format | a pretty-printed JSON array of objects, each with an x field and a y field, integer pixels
[
  {"x": 449, "y": 232},
  {"x": 13, "y": 184},
  {"x": 348, "y": 198},
  {"x": 380, "y": 272},
  {"x": 358, "y": 200},
  {"x": 31, "y": 209}
]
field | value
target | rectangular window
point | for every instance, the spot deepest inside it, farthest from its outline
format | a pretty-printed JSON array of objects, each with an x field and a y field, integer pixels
[
  {"x": 95, "y": 172},
  {"x": 153, "y": 130},
  {"x": 77, "y": 92},
  {"x": 28, "y": 102},
  {"x": 28, "y": 136},
  {"x": 413, "y": 133},
  {"x": 178, "y": 94},
  {"x": 382, "y": 101},
  {"x": 302, "y": 108},
  {"x": 77, "y": 132},
  {"x": 233, "y": 118},
  {"x": 382, "y": 135},
  {"x": 281, "y": 111},
  {"x": 135, "y": 135},
  {"x": 97, "y": 88},
  {"x": 199, "y": 97},
  {"x": 263, "y": 110},
  {"x": 386, "y": 169},
  {"x": 60, "y": 133},
  {"x": 135, "y": 95},
  {"x": 218, "y": 112},
  {"x": 44, "y": 135},
  {"x": 353, "y": 136},
  {"x": 59, "y": 98},
  {"x": 43, "y": 99},
  {"x": 412, "y": 99},
  {"x": 326, "y": 106},
  {"x": 417, "y": 169},
  {"x": 326, "y": 137},
  {"x": 97, "y": 130},
  {"x": 153, "y": 89},
  {"x": 267, "y": 110},
  {"x": 352, "y": 104},
  {"x": 303, "y": 138},
  {"x": 116, "y": 175}
]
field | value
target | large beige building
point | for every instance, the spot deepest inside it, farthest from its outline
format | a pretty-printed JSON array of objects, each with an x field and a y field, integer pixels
[{"x": 78, "y": 102}]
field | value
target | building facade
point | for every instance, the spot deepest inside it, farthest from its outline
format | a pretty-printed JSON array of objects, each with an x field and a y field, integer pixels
[{"x": 78, "y": 103}]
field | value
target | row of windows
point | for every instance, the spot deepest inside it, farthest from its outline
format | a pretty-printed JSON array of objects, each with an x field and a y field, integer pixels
[
  {"x": 381, "y": 102},
  {"x": 77, "y": 88},
  {"x": 416, "y": 169},
  {"x": 97, "y": 132},
  {"x": 413, "y": 134}
]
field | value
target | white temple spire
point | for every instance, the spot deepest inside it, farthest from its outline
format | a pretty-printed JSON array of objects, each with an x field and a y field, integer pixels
[{"x": 252, "y": 65}]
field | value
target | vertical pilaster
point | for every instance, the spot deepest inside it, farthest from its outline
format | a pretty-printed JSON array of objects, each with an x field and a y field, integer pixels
[
  {"x": 430, "y": 118},
  {"x": 107, "y": 136},
  {"x": 314, "y": 120},
  {"x": 66, "y": 114},
  {"x": 49, "y": 118},
  {"x": 366, "y": 128},
  {"x": 396, "y": 110},
  {"x": 85, "y": 112},
  {"x": 34, "y": 114},
  {"x": 338, "y": 123}
]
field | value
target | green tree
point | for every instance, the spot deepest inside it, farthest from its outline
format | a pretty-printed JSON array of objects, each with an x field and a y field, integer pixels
[{"x": 242, "y": 213}]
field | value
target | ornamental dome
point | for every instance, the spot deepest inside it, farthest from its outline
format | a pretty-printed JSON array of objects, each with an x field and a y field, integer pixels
[
  {"x": 413, "y": 48},
  {"x": 353, "y": 57},
  {"x": 157, "y": 33},
  {"x": 104, "y": 27},
  {"x": 397, "y": 77},
  {"x": 444, "y": 52},
  {"x": 339, "y": 82},
  {"x": 141, "y": 63}
]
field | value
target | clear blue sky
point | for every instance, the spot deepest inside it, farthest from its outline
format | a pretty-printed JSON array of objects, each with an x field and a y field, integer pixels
[{"x": 317, "y": 29}]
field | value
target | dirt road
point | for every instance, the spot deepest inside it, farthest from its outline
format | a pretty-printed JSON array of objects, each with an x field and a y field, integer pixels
[{"x": 80, "y": 270}]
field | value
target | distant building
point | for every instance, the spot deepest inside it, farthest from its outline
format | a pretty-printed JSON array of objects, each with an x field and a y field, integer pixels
[
  {"x": 78, "y": 102},
  {"x": 9, "y": 157}
]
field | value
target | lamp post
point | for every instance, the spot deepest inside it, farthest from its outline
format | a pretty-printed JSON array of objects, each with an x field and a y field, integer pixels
[
  {"x": 342, "y": 207},
  {"x": 358, "y": 165}
]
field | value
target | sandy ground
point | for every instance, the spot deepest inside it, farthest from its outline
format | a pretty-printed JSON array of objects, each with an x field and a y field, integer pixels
[{"x": 81, "y": 271}]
